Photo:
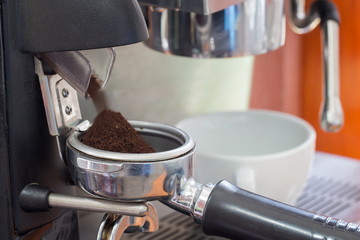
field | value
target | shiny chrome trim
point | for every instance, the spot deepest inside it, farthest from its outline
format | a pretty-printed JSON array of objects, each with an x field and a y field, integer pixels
[
  {"x": 97, "y": 205},
  {"x": 196, "y": 6},
  {"x": 248, "y": 28},
  {"x": 331, "y": 113},
  {"x": 190, "y": 197},
  {"x": 332, "y": 116},
  {"x": 302, "y": 22},
  {"x": 200, "y": 203},
  {"x": 134, "y": 177}
]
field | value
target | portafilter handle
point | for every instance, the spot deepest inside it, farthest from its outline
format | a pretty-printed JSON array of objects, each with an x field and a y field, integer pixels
[
  {"x": 228, "y": 211},
  {"x": 325, "y": 13},
  {"x": 238, "y": 214}
]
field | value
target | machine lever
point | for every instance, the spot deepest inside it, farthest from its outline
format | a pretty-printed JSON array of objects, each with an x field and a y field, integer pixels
[{"x": 35, "y": 198}]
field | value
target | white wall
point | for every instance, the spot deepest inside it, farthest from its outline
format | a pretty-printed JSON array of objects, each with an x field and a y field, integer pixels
[{"x": 147, "y": 85}]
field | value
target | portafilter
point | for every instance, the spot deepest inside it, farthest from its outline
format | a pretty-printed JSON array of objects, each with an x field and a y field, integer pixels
[{"x": 166, "y": 175}]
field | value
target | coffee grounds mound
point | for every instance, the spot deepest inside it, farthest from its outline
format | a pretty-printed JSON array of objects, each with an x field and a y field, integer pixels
[{"x": 112, "y": 132}]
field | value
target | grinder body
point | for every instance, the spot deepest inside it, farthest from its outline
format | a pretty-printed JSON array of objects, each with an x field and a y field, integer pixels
[{"x": 28, "y": 153}]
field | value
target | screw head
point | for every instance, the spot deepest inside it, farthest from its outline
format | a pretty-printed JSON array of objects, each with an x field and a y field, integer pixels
[
  {"x": 68, "y": 110},
  {"x": 65, "y": 92}
]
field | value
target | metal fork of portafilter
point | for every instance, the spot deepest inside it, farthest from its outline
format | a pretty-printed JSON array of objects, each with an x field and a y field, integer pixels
[{"x": 113, "y": 226}]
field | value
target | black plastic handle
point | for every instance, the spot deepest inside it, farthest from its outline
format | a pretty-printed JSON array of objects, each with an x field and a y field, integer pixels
[
  {"x": 35, "y": 198},
  {"x": 234, "y": 213}
]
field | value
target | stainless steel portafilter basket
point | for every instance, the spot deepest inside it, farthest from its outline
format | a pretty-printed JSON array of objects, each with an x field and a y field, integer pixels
[
  {"x": 166, "y": 175},
  {"x": 134, "y": 177}
]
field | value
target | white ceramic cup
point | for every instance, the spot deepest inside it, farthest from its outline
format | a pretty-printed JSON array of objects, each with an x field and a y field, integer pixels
[{"x": 266, "y": 152}]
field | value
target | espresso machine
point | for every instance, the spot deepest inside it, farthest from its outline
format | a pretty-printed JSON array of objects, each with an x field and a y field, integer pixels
[{"x": 46, "y": 63}]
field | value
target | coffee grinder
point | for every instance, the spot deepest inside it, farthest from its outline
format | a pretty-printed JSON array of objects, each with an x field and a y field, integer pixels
[
  {"x": 29, "y": 154},
  {"x": 38, "y": 41}
]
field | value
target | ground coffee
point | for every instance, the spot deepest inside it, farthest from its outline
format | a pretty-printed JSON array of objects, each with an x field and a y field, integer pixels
[{"x": 112, "y": 132}]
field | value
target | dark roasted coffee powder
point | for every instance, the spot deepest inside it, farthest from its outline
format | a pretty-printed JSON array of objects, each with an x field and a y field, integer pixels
[{"x": 112, "y": 132}]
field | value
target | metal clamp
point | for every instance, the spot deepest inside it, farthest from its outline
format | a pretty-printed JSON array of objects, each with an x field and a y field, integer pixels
[
  {"x": 113, "y": 226},
  {"x": 190, "y": 198},
  {"x": 60, "y": 101}
]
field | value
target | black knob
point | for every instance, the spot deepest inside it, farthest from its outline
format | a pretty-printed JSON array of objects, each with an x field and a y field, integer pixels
[{"x": 34, "y": 198}]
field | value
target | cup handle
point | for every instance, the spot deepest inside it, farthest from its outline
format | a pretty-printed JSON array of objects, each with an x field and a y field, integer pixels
[{"x": 245, "y": 179}]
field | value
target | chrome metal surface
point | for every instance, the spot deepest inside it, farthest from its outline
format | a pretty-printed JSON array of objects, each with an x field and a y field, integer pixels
[
  {"x": 57, "y": 104},
  {"x": 97, "y": 205},
  {"x": 302, "y": 22},
  {"x": 197, "y": 6},
  {"x": 248, "y": 28},
  {"x": 174, "y": 226},
  {"x": 49, "y": 104},
  {"x": 200, "y": 203},
  {"x": 134, "y": 177},
  {"x": 190, "y": 198},
  {"x": 68, "y": 111},
  {"x": 112, "y": 226},
  {"x": 332, "y": 117}
]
